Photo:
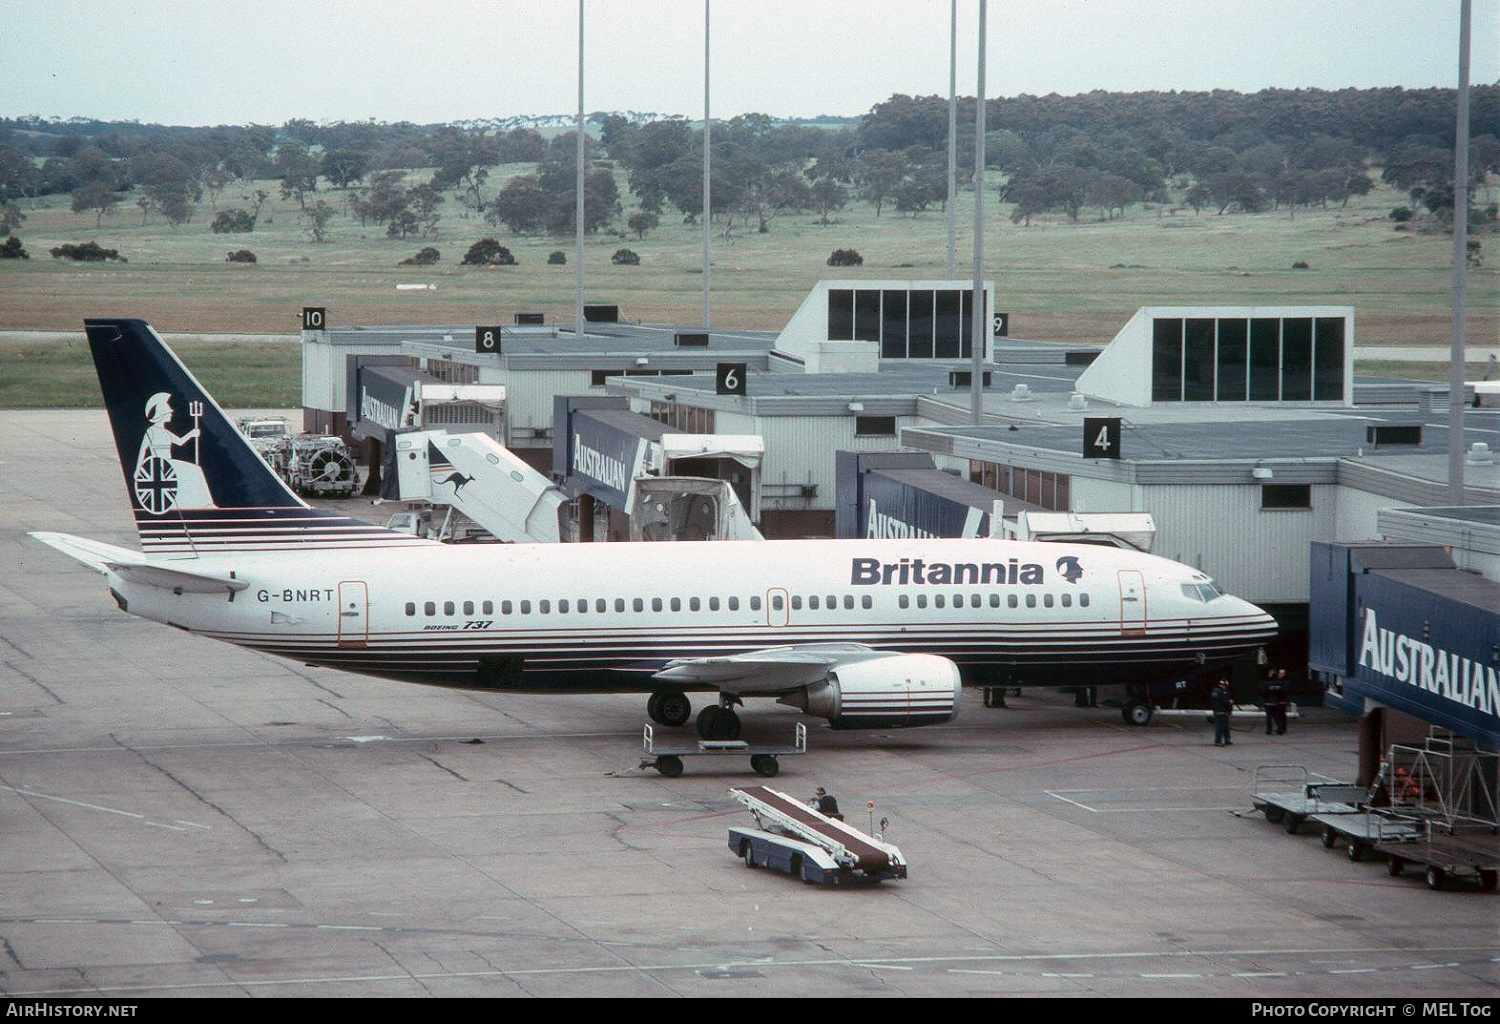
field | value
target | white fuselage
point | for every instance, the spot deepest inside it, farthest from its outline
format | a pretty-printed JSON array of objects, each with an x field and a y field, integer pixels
[{"x": 604, "y": 616}]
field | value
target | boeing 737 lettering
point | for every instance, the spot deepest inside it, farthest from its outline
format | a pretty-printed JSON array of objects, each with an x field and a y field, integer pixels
[{"x": 863, "y": 633}]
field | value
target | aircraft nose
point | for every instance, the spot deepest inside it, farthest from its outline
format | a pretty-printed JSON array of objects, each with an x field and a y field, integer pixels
[{"x": 1255, "y": 616}]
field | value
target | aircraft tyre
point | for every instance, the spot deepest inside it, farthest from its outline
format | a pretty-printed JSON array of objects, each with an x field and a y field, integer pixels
[
  {"x": 670, "y": 707},
  {"x": 716, "y": 723},
  {"x": 765, "y": 765},
  {"x": 1136, "y": 712}
]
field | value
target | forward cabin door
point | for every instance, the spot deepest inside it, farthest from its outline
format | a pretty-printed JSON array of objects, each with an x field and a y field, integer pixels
[
  {"x": 1132, "y": 601},
  {"x": 354, "y": 614}
]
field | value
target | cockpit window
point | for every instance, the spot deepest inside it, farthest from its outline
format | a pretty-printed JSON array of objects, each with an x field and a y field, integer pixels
[{"x": 1204, "y": 591}]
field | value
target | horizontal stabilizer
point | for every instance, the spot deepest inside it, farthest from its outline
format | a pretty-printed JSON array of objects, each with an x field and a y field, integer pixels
[{"x": 134, "y": 567}]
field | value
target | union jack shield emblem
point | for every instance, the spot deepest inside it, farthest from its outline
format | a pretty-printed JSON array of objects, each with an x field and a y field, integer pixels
[{"x": 156, "y": 485}]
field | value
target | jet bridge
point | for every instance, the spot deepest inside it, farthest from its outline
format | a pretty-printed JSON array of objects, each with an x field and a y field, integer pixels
[
  {"x": 478, "y": 477},
  {"x": 649, "y": 481}
]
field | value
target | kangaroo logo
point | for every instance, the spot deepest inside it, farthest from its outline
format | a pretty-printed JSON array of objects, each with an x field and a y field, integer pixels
[
  {"x": 1069, "y": 568},
  {"x": 457, "y": 479},
  {"x": 163, "y": 481}
]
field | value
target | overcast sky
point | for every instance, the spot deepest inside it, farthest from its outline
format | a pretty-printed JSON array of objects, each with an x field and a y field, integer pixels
[{"x": 196, "y": 62}]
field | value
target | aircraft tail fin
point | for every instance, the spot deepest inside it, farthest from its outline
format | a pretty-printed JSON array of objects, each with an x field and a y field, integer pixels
[{"x": 194, "y": 482}]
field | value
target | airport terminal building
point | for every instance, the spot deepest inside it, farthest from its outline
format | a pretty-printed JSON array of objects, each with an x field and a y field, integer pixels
[{"x": 1241, "y": 432}]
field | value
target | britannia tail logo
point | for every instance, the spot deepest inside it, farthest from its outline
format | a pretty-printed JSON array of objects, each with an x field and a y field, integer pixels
[{"x": 167, "y": 474}]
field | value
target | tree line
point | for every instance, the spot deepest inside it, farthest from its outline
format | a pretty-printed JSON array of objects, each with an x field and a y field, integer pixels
[{"x": 1099, "y": 152}]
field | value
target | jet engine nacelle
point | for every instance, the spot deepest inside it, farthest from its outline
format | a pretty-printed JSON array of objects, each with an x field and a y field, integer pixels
[{"x": 891, "y": 692}]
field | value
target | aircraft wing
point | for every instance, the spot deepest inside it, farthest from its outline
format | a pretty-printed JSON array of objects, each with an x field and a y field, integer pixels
[
  {"x": 770, "y": 669},
  {"x": 133, "y": 566}
]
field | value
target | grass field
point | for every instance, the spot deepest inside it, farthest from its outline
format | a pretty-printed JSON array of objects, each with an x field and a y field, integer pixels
[{"x": 1060, "y": 281}]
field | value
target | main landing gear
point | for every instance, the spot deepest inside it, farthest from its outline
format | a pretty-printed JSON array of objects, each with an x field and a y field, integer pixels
[
  {"x": 719, "y": 721},
  {"x": 669, "y": 707},
  {"x": 715, "y": 722}
]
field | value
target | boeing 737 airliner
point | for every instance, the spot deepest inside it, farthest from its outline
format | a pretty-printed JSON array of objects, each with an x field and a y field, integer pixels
[{"x": 864, "y": 633}]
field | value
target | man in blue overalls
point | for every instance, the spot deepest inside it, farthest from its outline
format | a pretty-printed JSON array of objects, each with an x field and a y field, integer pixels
[{"x": 1221, "y": 703}]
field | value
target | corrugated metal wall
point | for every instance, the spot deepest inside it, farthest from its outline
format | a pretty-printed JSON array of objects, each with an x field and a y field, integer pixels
[{"x": 1260, "y": 555}]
